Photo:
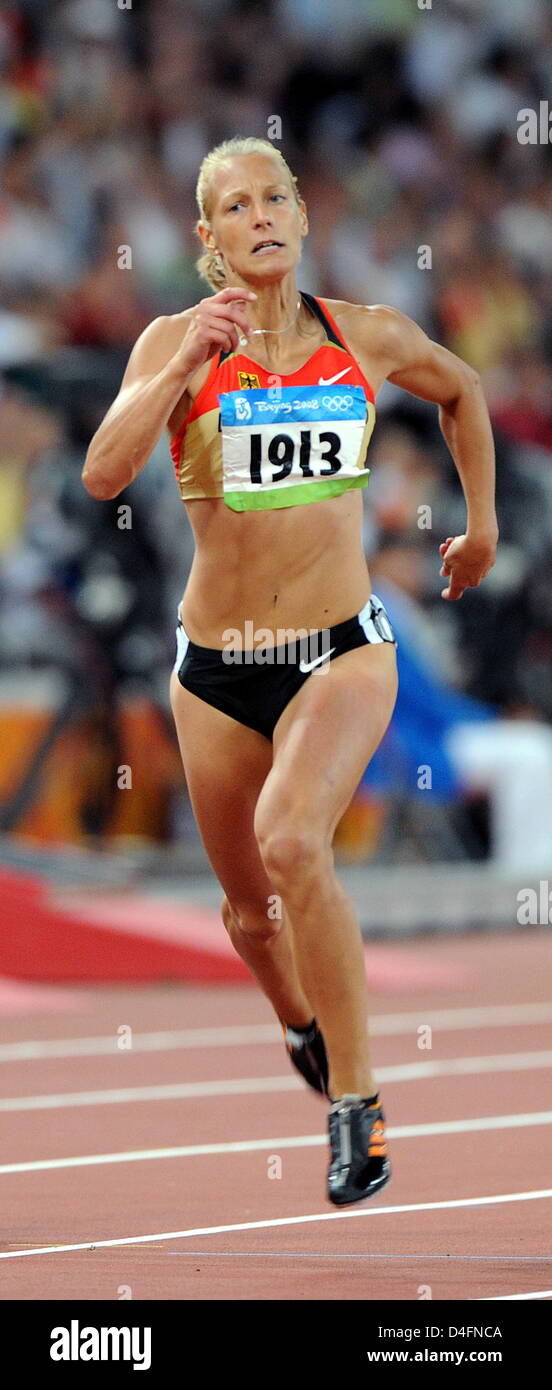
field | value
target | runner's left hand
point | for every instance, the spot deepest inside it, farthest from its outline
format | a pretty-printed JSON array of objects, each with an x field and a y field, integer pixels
[{"x": 466, "y": 561}]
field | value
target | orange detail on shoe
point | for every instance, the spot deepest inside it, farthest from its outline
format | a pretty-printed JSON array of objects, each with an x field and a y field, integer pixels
[{"x": 377, "y": 1146}]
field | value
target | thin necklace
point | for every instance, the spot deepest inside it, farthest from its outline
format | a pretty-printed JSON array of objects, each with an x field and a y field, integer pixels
[{"x": 243, "y": 341}]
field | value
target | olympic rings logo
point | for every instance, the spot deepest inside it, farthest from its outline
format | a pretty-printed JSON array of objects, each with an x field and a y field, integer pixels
[{"x": 337, "y": 402}]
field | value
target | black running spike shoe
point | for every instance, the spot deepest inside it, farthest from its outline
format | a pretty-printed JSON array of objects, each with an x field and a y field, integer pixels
[
  {"x": 359, "y": 1165},
  {"x": 307, "y": 1051}
]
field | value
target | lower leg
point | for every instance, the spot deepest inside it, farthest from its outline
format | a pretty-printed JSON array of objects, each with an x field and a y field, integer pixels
[
  {"x": 330, "y": 960},
  {"x": 267, "y": 948}
]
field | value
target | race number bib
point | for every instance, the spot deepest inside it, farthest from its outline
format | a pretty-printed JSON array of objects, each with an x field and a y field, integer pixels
[{"x": 292, "y": 444}]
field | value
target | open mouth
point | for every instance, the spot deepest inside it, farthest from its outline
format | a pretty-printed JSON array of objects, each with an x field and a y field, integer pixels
[{"x": 266, "y": 246}]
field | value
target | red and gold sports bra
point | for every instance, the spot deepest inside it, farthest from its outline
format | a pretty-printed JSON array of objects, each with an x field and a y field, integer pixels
[{"x": 259, "y": 440}]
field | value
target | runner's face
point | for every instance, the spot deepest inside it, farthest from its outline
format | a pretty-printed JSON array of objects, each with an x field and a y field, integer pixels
[{"x": 252, "y": 201}]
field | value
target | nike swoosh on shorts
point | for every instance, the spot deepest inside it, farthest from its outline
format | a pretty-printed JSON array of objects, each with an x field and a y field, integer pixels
[
  {"x": 305, "y": 666},
  {"x": 329, "y": 380}
]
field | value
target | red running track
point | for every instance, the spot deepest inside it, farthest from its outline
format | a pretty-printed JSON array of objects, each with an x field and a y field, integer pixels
[{"x": 202, "y": 1158}]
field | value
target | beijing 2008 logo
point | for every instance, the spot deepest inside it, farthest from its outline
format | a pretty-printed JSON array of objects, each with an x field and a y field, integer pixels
[{"x": 243, "y": 408}]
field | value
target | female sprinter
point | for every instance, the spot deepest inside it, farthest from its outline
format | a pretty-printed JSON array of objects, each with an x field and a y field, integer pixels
[{"x": 285, "y": 678}]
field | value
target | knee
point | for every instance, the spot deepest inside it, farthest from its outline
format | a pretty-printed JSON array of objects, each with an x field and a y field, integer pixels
[
  {"x": 256, "y": 921},
  {"x": 292, "y": 854}
]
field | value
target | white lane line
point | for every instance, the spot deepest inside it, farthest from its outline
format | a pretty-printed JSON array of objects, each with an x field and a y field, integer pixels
[
  {"x": 244, "y": 1035},
  {"x": 251, "y": 1085},
  {"x": 167, "y": 1041},
  {"x": 178, "y": 1090},
  {"x": 512, "y": 1297},
  {"x": 458, "y": 1202},
  {"x": 295, "y": 1141}
]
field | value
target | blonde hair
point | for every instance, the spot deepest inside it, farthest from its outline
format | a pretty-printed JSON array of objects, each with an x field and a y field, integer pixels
[{"x": 209, "y": 265}]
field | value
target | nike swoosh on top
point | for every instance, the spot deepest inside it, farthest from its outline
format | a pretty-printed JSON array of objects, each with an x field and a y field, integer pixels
[
  {"x": 329, "y": 380},
  {"x": 308, "y": 665}
]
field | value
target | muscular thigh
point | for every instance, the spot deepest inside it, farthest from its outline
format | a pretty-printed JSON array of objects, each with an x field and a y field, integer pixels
[
  {"x": 225, "y": 766},
  {"x": 326, "y": 736}
]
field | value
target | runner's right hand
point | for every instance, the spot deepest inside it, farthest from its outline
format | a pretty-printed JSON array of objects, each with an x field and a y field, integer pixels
[{"x": 217, "y": 322}]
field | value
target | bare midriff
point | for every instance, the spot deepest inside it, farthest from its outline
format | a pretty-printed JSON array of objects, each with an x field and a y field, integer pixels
[{"x": 297, "y": 567}]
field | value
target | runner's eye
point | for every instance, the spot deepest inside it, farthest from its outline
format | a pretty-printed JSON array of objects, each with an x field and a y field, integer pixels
[{"x": 239, "y": 203}]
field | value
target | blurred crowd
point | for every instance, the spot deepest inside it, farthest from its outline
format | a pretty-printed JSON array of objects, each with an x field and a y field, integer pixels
[{"x": 402, "y": 122}]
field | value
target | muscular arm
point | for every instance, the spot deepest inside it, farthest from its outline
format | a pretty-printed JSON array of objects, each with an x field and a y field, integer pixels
[
  {"x": 411, "y": 360},
  {"x": 160, "y": 366},
  {"x": 154, "y": 381}
]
